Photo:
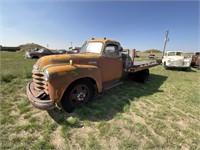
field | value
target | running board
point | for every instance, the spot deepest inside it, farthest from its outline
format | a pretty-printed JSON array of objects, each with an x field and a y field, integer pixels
[{"x": 111, "y": 84}]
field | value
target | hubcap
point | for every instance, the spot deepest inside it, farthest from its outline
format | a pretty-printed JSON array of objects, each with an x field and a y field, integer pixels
[{"x": 79, "y": 94}]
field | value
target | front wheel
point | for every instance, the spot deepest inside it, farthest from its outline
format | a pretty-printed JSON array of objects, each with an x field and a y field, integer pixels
[
  {"x": 165, "y": 66},
  {"x": 77, "y": 95}
]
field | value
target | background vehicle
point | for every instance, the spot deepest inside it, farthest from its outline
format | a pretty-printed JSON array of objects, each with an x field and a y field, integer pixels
[
  {"x": 70, "y": 81},
  {"x": 73, "y": 50},
  {"x": 61, "y": 51},
  {"x": 196, "y": 60},
  {"x": 38, "y": 53},
  {"x": 151, "y": 56},
  {"x": 175, "y": 59}
]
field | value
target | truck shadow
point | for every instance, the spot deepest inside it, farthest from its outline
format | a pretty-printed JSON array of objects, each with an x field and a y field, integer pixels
[
  {"x": 111, "y": 102},
  {"x": 181, "y": 69}
]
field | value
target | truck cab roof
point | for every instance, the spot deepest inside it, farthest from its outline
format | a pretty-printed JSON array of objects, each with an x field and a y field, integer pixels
[{"x": 103, "y": 40}]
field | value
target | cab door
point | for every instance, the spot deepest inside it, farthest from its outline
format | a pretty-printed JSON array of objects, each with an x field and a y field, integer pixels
[{"x": 111, "y": 63}]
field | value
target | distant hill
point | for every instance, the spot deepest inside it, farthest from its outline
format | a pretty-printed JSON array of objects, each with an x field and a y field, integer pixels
[
  {"x": 153, "y": 51},
  {"x": 28, "y": 46}
]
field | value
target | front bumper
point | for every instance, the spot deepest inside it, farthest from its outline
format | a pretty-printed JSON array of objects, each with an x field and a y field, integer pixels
[{"x": 41, "y": 104}]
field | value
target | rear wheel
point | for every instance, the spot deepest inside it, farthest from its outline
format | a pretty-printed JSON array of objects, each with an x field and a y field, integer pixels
[
  {"x": 77, "y": 95},
  {"x": 140, "y": 76},
  {"x": 144, "y": 76}
]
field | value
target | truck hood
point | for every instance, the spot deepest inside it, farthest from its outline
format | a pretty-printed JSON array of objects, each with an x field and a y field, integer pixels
[{"x": 64, "y": 59}]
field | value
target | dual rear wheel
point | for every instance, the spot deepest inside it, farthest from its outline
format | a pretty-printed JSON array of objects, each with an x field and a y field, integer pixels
[{"x": 140, "y": 76}]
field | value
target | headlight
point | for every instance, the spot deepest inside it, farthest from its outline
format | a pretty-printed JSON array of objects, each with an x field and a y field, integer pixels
[
  {"x": 35, "y": 67},
  {"x": 46, "y": 75}
]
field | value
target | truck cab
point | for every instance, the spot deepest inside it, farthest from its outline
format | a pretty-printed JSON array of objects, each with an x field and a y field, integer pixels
[{"x": 71, "y": 80}]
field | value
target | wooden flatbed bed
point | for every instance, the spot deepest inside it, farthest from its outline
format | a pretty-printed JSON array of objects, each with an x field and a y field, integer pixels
[{"x": 138, "y": 66}]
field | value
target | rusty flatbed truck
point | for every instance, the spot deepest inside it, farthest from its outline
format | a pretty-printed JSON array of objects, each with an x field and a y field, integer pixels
[{"x": 69, "y": 81}]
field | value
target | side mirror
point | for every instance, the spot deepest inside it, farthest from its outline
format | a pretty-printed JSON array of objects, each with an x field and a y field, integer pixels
[{"x": 121, "y": 49}]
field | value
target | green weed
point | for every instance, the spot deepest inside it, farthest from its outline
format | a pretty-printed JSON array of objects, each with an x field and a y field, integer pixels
[
  {"x": 42, "y": 144},
  {"x": 128, "y": 144},
  {"x": 24, "y": 107},
  {"x": 92, "y": 143}
]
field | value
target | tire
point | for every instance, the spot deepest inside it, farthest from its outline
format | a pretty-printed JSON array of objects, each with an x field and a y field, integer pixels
[
  {"x": 165, "y": 66},
  {"x": 144, "y": 76},
  {"x": 77, "y": 95},
  {"x": 140, "y": 76},
  {"x": 186, "y": 69}
]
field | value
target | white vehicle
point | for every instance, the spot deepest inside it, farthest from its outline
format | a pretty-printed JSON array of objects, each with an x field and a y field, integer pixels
[{"x": 175, "y": 59}]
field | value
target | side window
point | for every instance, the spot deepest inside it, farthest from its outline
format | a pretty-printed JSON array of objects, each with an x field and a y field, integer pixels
[{"x": 111, "y": 49}]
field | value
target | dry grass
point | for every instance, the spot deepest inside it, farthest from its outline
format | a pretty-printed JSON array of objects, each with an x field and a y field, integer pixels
[{"x": 161, "y": 114}]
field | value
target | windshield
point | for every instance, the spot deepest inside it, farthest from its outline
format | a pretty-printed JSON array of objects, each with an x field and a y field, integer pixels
[
  {"x": 175, "y": 54},
  {"x": 92, "y": 47},
  {"x": 179, "y": 54}
]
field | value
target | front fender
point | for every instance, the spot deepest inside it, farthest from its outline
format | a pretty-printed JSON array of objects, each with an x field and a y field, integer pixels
[{"x": 60, "y": 77}]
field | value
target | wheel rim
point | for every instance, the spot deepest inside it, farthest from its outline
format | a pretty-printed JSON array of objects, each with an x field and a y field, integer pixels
[{"x": 79, "y": 95}]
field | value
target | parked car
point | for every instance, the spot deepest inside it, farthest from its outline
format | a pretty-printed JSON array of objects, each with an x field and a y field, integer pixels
[
  {"x": 196, "y": 60},
  {"x": 151, "y": 56},
  {"x": 70, "y": 51},
  {"x": 62, "y": 51},
  {"x": 73, "y": 50},
  {"x": 175, "y": 59},
  {"x": 38, "y": 53}
]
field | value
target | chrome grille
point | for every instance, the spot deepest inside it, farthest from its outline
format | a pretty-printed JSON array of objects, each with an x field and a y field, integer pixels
[
  {"x": 177, "y": 63},
  {"x": 40, "y": 84}
]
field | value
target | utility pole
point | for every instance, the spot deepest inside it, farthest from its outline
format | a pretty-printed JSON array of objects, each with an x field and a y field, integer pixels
[
  {"x": 166, "y": 40},
  {"x": 71, "y": 43}
]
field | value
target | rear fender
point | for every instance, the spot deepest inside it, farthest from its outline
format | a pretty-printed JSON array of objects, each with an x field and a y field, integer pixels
[{"x": 60, "y": 77}]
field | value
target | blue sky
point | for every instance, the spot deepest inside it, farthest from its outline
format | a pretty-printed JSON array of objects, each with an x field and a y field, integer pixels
[{"x": 135, "y": 24}]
